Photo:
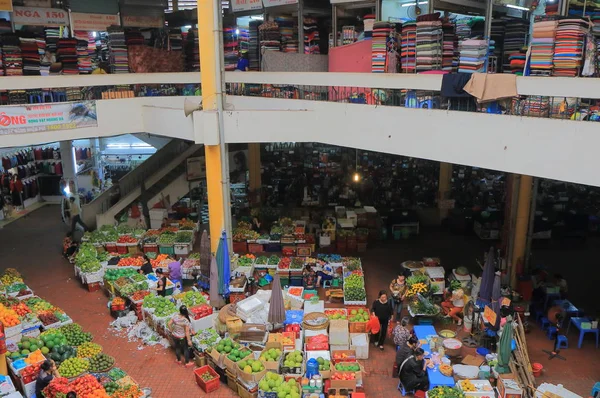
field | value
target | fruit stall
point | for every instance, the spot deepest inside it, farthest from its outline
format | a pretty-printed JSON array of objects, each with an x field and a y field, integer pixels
[{"x": 36, "y": 330}]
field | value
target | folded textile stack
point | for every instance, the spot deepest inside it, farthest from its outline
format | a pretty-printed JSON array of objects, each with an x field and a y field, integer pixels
[
  {"x": 448, "y": 46},
  {"x": 230, "y": 49},
  {"x": 30, "y": 55},
  {"x": 473, "y": 55},
  {"x": 369, "y": 21},
  {"x": 270, "y": 38},
  {"x": 542, "y": 47},
  {"x": 596, "y": 34},
  {"x": 311, "y": 36},
  {"x": 408, "y": 47},
  {"x": 429, "y": 42},
  {"x": 463, "y": 29},
  {"x": 102, "y": 46},
  {"x": 192, "y": 51},
  {"x": 11, "y": 55},
  {"x": 133, "y": 37},
  {"x": 253, "y": 45},
  {"x": 5, "y": 26},
  {"x": 66, "y": 54},
  {"x": 244, "y": 38},
  {"x": 289, "y": 43},
  {"x": 175, "y": 39},
  {"x": 551, "y": 8},
  {"x": 84, "y": 61},
  {"x": 515, "y": 38},
  {"x": 52, "y": 36},
  {"x": 568, "y": 46},
  {"x": 381, "y": 35},
  {"x": 477, "y": 26},
  {"x": 117, "y": 48},
  {"x": 1, "y": 62},
  {"x": 45, "y": 56},
  {"x": 498, "y": 34},
  {"x": 517, "y": 62}
]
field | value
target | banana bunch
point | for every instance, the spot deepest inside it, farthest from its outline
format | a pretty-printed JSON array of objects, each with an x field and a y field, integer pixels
[
  {"x": 416, "y": 288},
  {"x": 467, "y": 386}
]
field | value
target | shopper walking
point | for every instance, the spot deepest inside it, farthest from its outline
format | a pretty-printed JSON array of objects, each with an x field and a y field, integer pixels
[
  {"x": 179, "y": 326},
  {"x": 398, "y": 289},
  {"x": 401, "y": 333},
  {"x": 76, "y": 216},
  {"x": 382, "y": 308}
]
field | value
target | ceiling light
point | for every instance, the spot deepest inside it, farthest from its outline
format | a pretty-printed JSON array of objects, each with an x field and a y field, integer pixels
[
  {"x": 413, "y": 4},
  {"x": 517, "y": 7}
]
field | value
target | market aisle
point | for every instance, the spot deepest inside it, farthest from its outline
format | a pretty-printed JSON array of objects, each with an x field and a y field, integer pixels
[{"x": 33, "y": 246}]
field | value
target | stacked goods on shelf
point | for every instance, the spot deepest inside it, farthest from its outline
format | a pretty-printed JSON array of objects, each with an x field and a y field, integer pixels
[
  {"x": 369, "y": 22},
  {"x": 52, "y": 36},
  {"x": 408, "y": 44},
  {"x": 497, "y": 35},
  {"x": 568, "y": 47},
  {"x": 11, "y": 55},
  {"x": 473, "y": 55},
  {"x": 311, "y": 36},
  {"x": 1, "y": 62},
  {"x": 542, "y": 47},
  {"x": 463, "y": 28},
  {"x": 133, "y": 37},
  {"x": 192, "y": 51},
  {"x": 253, "y": 45},
  {"x": 230, "y": 49},
  {"x": 66, "y": 54},
  {"x": 448, "y": 46},
  {"x": 244, "y": 38},
  {"x": 596, "y": 34},
  {"x": 381, "y": 32},
  {"x": 429, "y": 42},
  {"x": 31, "y": 56},
  {"x": 84, "y": 61},
  {"x": 175, "y": 39},
  {"x": 270, "y": 38},
  {"x": 289, "y": 44},
  {"x": 5, "y": 26},
  {"x": 515, "y": 39},
  {"x": 517, "y": 62},
  {"x": 45, "y": 57},
  {"x": 117, "y": 48}
]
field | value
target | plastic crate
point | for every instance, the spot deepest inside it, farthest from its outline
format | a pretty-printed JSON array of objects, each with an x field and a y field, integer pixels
[
  {"x": 111, "y": 247},
  {"x": 182, "y": 249},
  {"x": 169, "y": 250},
  {"x": 150, "y": 248},
  {"x": 240, "y": 247},
  {"x": 122, "y": 248}
]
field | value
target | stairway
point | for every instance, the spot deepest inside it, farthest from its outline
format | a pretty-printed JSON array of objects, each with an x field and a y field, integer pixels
[{"x": 156, "y": 174}]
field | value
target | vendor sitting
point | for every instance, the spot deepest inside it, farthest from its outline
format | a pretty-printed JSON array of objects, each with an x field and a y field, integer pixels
[
  {"x": 454, "y": 304},
  {"x": 308, "y": 277},
  {"x": 406, "y": 351},
  {"x": 413, "y": 373},
  {"x": 325, "y": 275}
]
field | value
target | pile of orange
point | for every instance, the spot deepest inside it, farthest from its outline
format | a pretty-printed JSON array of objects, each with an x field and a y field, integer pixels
[
  {"x": 35, "y": 357},
  {"x": 8, "y": 317},
  {"x": 88, "y": 387}
]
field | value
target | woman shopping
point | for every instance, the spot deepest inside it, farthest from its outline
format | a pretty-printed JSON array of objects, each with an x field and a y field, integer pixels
[
  {"x": 398, "y": 289},
  {"x": 179, "y": 326},
  {"x": 382, "y": 308}
]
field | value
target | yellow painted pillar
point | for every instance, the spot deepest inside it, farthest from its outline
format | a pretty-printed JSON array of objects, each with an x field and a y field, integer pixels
[
  {"x": 521, "y": 227},
  {"x": 210, "y": 65},
  {"x": 444, "y": 186},
  {"x": 254, "y": 166}
]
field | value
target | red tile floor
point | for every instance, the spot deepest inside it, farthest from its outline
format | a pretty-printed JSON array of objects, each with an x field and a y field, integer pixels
[{"x": 33, "y": 244}]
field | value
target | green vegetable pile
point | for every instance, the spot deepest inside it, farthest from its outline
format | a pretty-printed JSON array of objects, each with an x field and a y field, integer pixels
[
  {"x": 262, "y": 260},
  {"x": 354, "y": 367},
  {"x": 162, "y": 305},
  {"x": 273, "y": 260},
  {"x": 184, "y": 237},
  {"x": 354, "y": 280},
  {"x": 417, "y": 278},
  {"x": 355, "y": 294},
  {"x": 192, "y": 298},
  {"x": 111, "y": 387},
  {"x": 124, "y": 229},
  {"x": 111, "y": 236},
  {"x": 206, "y": 338},
  {"x": 138, "y": 278},
  {"x": 245, "y": 261},
  {"x": 167, "y": 238},
  {"x": 16, "y": 287},
  {"x": 116, "y": 374},
  {"x": 101, "y": 362},
  {"x": 352, "y": 263},
  {"x": 114, "y": 274},
  {"x": 194, "y": 256},
  {"x": 62, "y": 353},
  {"x": 297, "y": 263},
  {"x": 75, "y": 335},
  {"x": 445, "y": 392},
  {"x": 138, "y": 232}
]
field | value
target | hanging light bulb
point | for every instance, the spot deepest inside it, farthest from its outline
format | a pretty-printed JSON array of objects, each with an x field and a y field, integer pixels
[{"x": 356, "y": 177}]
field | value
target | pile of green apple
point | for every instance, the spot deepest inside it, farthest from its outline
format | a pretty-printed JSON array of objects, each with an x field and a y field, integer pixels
[
  {"x": 354, "y": 367},
  {"x": 251, "y": 366},
  {"x": 359, "y": 315},
  {"x": 272, "y": 382},
  {"x": 271, "y": 355},
  {"x": 293, "y": 359}
]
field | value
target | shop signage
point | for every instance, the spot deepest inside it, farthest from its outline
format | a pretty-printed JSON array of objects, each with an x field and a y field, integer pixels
[
  {"x": 143, "y": 21},
  {"x": 20, "y": 119},
  {"x": 246, "y": 5},
  {"x": 274, "y": 3},
  {"x": 40, "y": 16},
  {"x": 489, "y": 315},
  {"x": 6, "y": 5},
  {"x": 37, "y": 3},
  {"x": 93, "y": 22},
  {"x": 196, "y": 168}
]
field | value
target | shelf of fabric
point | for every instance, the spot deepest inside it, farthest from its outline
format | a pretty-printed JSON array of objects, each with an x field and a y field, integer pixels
[
  {"x": 568, "y": 47},
  {"x": 448, "y": 46},
  {"x": 253, "y": 45},
  {"x": 66, "y": 54},
  {"x": 381, "y": 33},
  {"x": 542, "y": 47},
  {"x": 192, "y": 51},
  {"x": 117, "y": 48},
  {"x": 311, "y": 36},
  {"x": 84, "y": 61},
  {"x": 473, "y": 56},
  {"x": 270, "y": 38},
  {"x": 11, "y": 55},
  {"x": 429, "y": 42},
  {"x": 408, "y": 47},
  {"x": 30, "y": 56},
  {"x": 515, "y": 40},
  {"x": 596, "y": 34},
  {"x": 230, "y": 48}
]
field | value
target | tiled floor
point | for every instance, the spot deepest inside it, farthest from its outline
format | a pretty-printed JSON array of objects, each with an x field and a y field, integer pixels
[{"x": 33, "y": 244}]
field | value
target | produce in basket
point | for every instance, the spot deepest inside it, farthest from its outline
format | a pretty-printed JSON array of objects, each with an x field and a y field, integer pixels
[
  {"x": 128, "y": 391},
  {"x": 206, "y": 338},
  {"x": 359, "y": 315},
  {"x": 139, "y": 295},
  {"x": 355, "y": 293},
  {"x": 11, "y": 276},
  {"x": 88, "y": 386},
  {"x": 47, "y": 317},
  {"x": 273, "y": 260},
  {"x": 73, "y": 367},
  {"x": 124, "y": 229},
  {"x": 21, "y": 309},
  {"x": 352, "y": 263},
  {"x": 114, "y": 274},
  {"x": 116, "y": 374},
  {"x": 101, "y": 362},
  {"x": 30, "y": 373},
  {"x": 324, "y": 364},
  {"x": 284, "y": 263},
  {"x": 446, "y": 370},
  {"x": 185, "y": 224},
  {"x": 192, "y": 298},
  {"x": 333, "y": 313},
  {"x": 58, "y": 387},
  {"x": 16, "y": 287},
  {"x": 263, "y": 260},
  {"x": 246, "y": 260},
  {"x": 250, "y": 365},
  {"x": 297, "y": 263},
  {"x": 270, "y": 355},
  {"x": 138, "y": 278},
  {"x": 75, "y": 335},
  {"x": 207, "y": 376},
  {"x": 293, "y": 359},
  {"x": 127, "y": 239},
  {"x": 8, "y": 317},
  {"x": 184, "y": 237},
  {"x": 131, "y": 262},
  {"x": 88, "y": 350},
  {"x": 166, "y": 238},
  {"x": 272, "y": 382},
  {"x": 111, "y": 387}
]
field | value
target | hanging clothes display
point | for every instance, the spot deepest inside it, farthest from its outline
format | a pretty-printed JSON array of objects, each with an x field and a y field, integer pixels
[{"x": 568, "y": 46}]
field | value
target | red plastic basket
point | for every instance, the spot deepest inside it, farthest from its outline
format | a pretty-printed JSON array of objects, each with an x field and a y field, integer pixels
[{"x": 210, "y": 386}]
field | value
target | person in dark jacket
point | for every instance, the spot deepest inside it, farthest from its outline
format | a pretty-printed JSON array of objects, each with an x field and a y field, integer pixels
[
  {"x": 146, "y": 268},
  {"x": 406, "y": 351},
  {"x": 382, "y": 308},
  {"x": 413, "y": 374}
]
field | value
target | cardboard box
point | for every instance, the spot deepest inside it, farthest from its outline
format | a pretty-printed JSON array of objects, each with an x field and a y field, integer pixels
[
  {"x": 230, "y": 365},
  {"x": 339, "y": 347},
  {"x": 250, "y": 377},
  {"x": 326, "y": 374},
  {"x": 508, "y": 387},
  {"x": 472, "y": 360},
  {"x": 343, "y": 356},
  {"x": 483, "y": 389},
  {"x": 338, "y": 332},
  {"x": 357, "y": 327},
  {"x": 273, "y": 365},
  {"x": 216, "y": 357},
  {"x": 358, "y": 373},
  {"x": 359, "y": 342},
  {"x": 343, "y": 384}
]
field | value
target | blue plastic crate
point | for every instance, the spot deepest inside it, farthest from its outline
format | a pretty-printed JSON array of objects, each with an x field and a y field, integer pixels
[{"x": 293, "y": 316}]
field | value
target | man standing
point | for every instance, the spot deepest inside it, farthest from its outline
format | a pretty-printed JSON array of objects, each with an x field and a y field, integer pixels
[{"x": 76, "y": 216}]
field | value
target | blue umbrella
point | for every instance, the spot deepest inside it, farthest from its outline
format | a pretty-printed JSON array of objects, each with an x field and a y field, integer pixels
[
  {"x": 223, "y": 264},
  {"x": 487, "y": 279}
]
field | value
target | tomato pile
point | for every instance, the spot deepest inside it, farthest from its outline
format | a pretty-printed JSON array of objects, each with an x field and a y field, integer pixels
[
  {"x": 88, "y": 387},
  {"x": 131, "y": 262},
  {"x": 284, "y": 263},
  {"x": 21, "y": 309},
  {"x": 127, "y": 239},
  {"x": 30, "y": 373},
  {"x": 139, "y": 295}
]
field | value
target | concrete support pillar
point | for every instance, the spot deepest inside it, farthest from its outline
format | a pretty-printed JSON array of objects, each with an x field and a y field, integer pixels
[
  {"x": 519, "y": 234},
  {"x": 444, "y": 187},
  {"x": 67, "y": 155},
  {"x": 254, "y": 166}
]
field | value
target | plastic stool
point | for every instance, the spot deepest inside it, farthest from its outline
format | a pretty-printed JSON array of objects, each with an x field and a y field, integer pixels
[
  {"x": 596, "y": 390},
  {"x": 552, "y": 330},
  {"x": 402, "y": 390},
  {"x": 562, "y": 342},
  {"x": 545, "y": 323},
  {"x": 326, "y": 283}
]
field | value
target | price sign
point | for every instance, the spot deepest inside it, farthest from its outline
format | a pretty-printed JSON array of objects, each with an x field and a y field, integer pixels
[
  {"x": 40, "y": 16},
  {"x": 246, "y": 5},
  {"x": 6, "y": 5},
  {"x": 274, "y": 3},
  {"x": 489, "y": 315},
  {"x": 143, "y": 21},
  {"x": 505, "y": 302},
  {"x": 93, "y": 22}
]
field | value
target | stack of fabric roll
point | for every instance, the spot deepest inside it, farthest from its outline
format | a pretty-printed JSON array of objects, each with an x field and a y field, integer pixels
[
  {"x": 84, "y": 62},
  {"x": 30, "y": 55},
  {"x": 119, "y": 61},
  {"x": 515, "y": 38},
  {"x": 369, "y": 21},
  {"x": 429, "y": 42},
  {"x": 230, "y": 49},
  {"x": 517, "y": 62},
  {"x": 270, "y": 38},
  {"x": 568, "y": 46},
  {"x": 408, "y": 47},
  {"x": 253, "y": 45},
  {"x": 473, "y": 55},
  {"x": 542, "y": 47},
  {"x": 66, "y": 54},
  {"x": 381, "y": 32}
]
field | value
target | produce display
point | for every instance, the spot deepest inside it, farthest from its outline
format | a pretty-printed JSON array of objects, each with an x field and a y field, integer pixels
[
  {"x": 128, "y": 391},
  {"x": 206, "y": 338},
  {"x": 360, "y": 315},
  {"x": 47, "y": 317},
  {"x": 246, "y": 260},
  {"x": 270, "y": 355},
  {"x": 30, "y": 373},
  {"x": 62, "y": 353},
  {"x": 123, "y": 229},
  {"x": 116, "y": 374},
  {"x": 336, "y": 313},
  {"x": 250, "y": 365},
  {"x": 184, "y": 237},
  {"x": 139, "y": 295},
  {"x": 192, "y": 298},
  {"x": 111, "y": 387},
  {"x": 207, "y": 376},
  {"x": 162, "y": 260},
  {"x": 285, "y": 263},
  {"x": 11, "y": 276},
  {"x": 343, "y": 376},
  {"x": 16, "y": 287},
  {"x": 272, "y": 382},
  {"x": 262, "y": 260},
  {"x": 75, "y": 335},
  {"x": 101, "y": 362},
  {"x": 273, "y": 260},
  {"x": 88, "y": 350},
  {"x": 297, "y": 263},
  {"x": 445, "y": 392},
  {"x": 352, "y": 263},
  {"x": 324, "y": 364},
  {"x": 293, "y": 359},
  {"x": 232, "y": 350},
  {"x": 185, "y": 224},
  {"x": 21, "y": 309},
  {"x": 348, "y": 367},
  {"x": 114, "y": 274},
  {"x": 166, "y": 238},
  {"x": 138, "y": 278},
  {"x": 162, "y": 306},
  {"x": 88, "y": 387},
  {"x": 73, "y": 367},
  {"x": 131, "y": 262},
  {"x": 8, "y": 317}
]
